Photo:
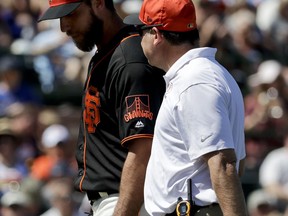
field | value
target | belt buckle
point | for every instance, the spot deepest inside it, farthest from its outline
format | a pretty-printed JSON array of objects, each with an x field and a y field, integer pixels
[{"x": 103, "y": 194}]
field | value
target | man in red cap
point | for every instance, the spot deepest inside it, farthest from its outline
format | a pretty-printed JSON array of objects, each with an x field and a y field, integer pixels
[
  {"x": 198, "y": 147},
  {"x": 122, "y": 95}
]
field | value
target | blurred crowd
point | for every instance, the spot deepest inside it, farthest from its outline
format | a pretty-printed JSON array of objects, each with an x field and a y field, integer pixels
[{"x": 41, "y": 79}]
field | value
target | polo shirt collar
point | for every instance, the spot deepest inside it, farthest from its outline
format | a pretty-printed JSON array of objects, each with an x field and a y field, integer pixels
[{"x": 205, "y": 52}]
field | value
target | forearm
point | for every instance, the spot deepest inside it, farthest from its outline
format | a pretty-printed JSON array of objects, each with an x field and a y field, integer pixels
[
  {"x": 131, "y": 196},
  {"x": 227, "y": 185},
  {"x": 229, "y": 192}
]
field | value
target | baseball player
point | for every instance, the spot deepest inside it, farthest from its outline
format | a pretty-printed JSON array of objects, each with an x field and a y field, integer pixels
[
  {"x": 122, "y": 95},
  {"x": 199, "y": 132}
]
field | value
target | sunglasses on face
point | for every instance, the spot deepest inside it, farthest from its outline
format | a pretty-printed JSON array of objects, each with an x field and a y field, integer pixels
[{"x": 143, "y": 30}]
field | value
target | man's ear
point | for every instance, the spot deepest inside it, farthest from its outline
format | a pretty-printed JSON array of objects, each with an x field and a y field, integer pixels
[
  {"x": 97, "y": 3},
  {"x": 158, "y": 36}
]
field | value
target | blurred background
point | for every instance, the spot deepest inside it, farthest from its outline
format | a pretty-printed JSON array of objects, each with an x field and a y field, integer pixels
[{"x": 41, "y": 80}]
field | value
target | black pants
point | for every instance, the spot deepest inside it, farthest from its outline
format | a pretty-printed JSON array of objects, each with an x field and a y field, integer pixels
[{"x": 211, "y": 210}]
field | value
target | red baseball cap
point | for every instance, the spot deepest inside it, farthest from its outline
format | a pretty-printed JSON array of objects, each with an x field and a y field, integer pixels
[
  {"x": 60, "y": 8},
  {"x": 168, "y": 15}
]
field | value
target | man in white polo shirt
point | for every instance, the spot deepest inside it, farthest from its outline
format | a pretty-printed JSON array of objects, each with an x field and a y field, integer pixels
[{"x": 199, "y": 133}]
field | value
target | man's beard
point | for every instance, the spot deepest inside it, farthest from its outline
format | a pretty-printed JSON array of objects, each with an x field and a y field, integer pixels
[{"x": 93, "y": 35}]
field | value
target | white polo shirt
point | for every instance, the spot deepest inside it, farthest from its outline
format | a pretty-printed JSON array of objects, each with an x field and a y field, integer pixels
[{"x": 202, "y": 111}]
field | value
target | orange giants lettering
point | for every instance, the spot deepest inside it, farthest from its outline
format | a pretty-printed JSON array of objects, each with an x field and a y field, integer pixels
[
  {"x": 91, "y": 113},
  {"x": 137, "y": 107}
]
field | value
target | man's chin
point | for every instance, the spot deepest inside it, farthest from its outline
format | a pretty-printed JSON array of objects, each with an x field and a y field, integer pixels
[{"x": 84, "y": 48}]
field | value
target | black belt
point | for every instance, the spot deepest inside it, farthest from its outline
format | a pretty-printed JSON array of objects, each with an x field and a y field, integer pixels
[
  {"x": 196, "y": 208},
  {"x": 92, "y": 196}
]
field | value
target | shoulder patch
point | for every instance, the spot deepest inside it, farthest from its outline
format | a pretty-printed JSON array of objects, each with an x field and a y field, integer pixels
[{"x": 137, "y": 106}]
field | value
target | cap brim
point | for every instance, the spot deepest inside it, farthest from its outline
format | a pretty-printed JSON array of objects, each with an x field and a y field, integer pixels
[
  {"x": 133, "y": 20},
  {"x": 59, "y": 11}
]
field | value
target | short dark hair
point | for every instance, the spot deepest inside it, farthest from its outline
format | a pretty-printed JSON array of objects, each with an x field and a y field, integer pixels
[
  {"x": 109, "y": 4},
  {"x": 177, "y": 38}
]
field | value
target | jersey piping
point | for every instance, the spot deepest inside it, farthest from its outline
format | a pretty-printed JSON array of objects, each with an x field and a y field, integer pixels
[
  {"x": 136, "y": 136},
  {"x": 86, "y": 87}
]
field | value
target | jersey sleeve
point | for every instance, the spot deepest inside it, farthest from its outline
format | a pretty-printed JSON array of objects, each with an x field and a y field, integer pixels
[{"x": 140, "y": 89}]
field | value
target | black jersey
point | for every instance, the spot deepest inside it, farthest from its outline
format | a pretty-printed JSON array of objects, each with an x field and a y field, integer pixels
[{"x": 121, "y": 100}]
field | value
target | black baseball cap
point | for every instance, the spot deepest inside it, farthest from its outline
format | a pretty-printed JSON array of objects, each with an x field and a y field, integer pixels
[{"x": 60, "y": 8}]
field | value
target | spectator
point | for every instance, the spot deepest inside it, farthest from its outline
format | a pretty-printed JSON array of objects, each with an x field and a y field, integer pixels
[
  {"x": 61, "y": 198},
  {"x": 246, "y": 37},
  {"x": 16, "y": 203},
  {"x": 256, "y": 149},
  {"x": 13, "y": 87},
  {"x": 279, "y": 30},
  {"x": 262, "y": 204},
  {"x": 5, "y": 37},
  {"x": 23, "y": 118},
  {"x": 273, "y": 175},
  {"x": 11, "y": 171},
  {"x": 58, "y": 156},
  {"x": 265, "y": 106}
]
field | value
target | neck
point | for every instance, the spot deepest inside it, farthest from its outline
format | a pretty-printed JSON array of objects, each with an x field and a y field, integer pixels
[
  {"x": 112, "y": 25},
  {"x": 172, "y": 54}
]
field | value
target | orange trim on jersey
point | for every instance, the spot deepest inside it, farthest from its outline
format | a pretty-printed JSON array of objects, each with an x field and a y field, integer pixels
[
  {"x": 88, "y": 81},
  {"x": 136, "y": 136},
  {"x": 129, "y": 37},
  {"x": 84, "y": 154},
  {"x": 84, "y": 124}
]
